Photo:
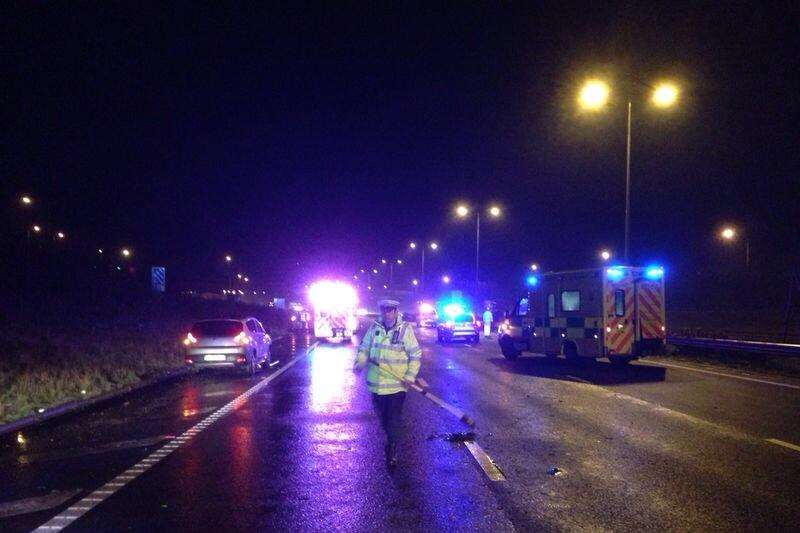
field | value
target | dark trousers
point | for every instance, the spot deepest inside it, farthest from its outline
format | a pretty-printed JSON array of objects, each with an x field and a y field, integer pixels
[{"x": 390, "y": 411}]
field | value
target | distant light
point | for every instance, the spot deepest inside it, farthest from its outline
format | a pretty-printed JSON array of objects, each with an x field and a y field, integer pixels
[
  {"x": 534, "y": 267},
  {"x": 61, "y": 235},
  {"x": 99, "y": 250},
  {"x": 246, "y": 279},
  {"x": 399, "y": 261},
  {"x": 21, "y": 438},
  {"x": 239, "y": 276},
  {"x": 654, "y": 272},
  {"x": 385, "y": 287},
  {"x": 383, "y": 261},
  {"x": 125, "y": 252},
  {"x": 83, "y": 391},
  {"x": 594, "y": 95},
  {"x": 36, "y": 228},
  {"x": 434, "y": 246},
  {"x": 494, "y": 211},
  {"x": 453, "y": 310},
  {"x": 25, "y": 199},
  {"x": 615, "y": 273},
  {"x": 228, "y": 258},
  {"x": 362, "y": 271},
  {"x": 728, "y": 233},
  {"x": 119, "y": 267},
  {"x": 40, "y": 410},
  {"x": 605, "y": 255},
  {"x": 462, "y": 210},
  {"x": 446, "y": 279},
  {"x": 412, "y": 245},
  {"x": 415, "y": 282},
  {"x": 369, "y": 287},
  {"x": 665, "y": 95},
  {"x": 608, "y": 329},
  {"x": 355, "y": 277},
  {"x": 532, "y": 281},
  {"x": 425, "y": 307},
  {"x": 374, "y": 270}
]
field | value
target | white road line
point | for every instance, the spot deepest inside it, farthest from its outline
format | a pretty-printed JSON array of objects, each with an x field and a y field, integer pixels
[
  {"x": 486, "y": 463},
  {"x": 785, "y": 444},
  {"x": 723, "y": 374},
  {"x": 579, "y": 379},
  {"x": 87, "y": 503}
]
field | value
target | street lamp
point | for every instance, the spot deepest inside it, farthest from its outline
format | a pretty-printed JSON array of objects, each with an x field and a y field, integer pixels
[
  {"x": 228, "y": 258},
  {"x": 605, "y": 255},
  {"x": 433, "y": 245},
  {"x": 61, "y": 235},
  {"x": 730, "y": 234},
  {"x": 462, "y": 211},
  {"x": 26, "y": 200},
  {"x": 36, "y": 228},
  {"x": 594, "y": 95},
  {"x": 446, "y": 279},
  {"x": 126, "y": 253},
  {"x": 534, "y": 267}
]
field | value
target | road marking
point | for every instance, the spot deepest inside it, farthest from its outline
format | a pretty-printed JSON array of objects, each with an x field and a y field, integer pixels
[
  {"x": 87, "y": 503},
  {"x": 486, "y": 463},
  {"x": 723, "y": 374},
  {"x": 579, "y": 379},
  {"x": 36, "y": 503},
  {"x": 785, "y": 444}
]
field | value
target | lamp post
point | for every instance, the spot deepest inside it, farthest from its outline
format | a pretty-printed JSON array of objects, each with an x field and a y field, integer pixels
[
  {"x": 594, "y": 96},
  {"x": 433, "y": 245},
  {"x": 462, "y": 211},
  {"x": 730, "y": 234}
]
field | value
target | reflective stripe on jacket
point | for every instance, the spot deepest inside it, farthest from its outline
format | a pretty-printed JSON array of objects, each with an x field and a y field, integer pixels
[{"x": 396, "y": 350}]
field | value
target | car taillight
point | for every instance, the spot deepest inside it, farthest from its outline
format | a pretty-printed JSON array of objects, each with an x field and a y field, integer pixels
[
  {"x": 188, "y": 361},
  {"x": 241, "y": 338},
  {"x": 241, "y": 359},
  {"x": 189, "y": 340}
]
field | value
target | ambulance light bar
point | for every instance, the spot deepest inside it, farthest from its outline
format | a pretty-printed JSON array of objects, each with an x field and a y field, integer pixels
[
  {"x": 654, "y": 272},
  {"x": 615, "y": 273}
]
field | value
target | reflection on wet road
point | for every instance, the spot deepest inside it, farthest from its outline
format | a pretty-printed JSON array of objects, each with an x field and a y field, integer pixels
[{"x": 299, "y": 448}]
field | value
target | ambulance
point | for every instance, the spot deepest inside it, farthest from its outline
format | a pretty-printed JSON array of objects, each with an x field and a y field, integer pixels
[
  {"x": 334, "y": 304},
  {"x": 615, "y": 312}
]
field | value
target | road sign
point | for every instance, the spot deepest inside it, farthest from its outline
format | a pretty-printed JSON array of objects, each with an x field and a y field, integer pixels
[{"x": 158, "y": 279}]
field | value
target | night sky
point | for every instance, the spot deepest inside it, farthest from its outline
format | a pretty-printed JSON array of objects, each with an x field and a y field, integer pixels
[{"x": 332, "y": 136}]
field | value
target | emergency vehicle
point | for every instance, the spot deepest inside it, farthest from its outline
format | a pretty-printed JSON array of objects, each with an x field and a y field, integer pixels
[
  {"x": 615, "y": 312},
  {"x": 334, "y": 305}
]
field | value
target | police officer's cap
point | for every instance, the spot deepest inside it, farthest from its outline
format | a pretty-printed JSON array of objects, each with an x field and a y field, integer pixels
[{"x": 383, "y": 304}]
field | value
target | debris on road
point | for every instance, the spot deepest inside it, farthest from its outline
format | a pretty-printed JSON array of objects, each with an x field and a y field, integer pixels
[{"x": 553, "y": 471}]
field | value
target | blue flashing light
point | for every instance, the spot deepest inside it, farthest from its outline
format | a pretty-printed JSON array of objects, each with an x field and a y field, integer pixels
[
  {"x": 615, "y": 273},
  {"x": 532, "y": 281},
  {"x": 453, "y": 310},
  {"x": 654, "y": 272}
]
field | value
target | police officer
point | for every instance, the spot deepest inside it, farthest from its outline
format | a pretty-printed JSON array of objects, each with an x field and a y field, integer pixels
[{"x": 390, "y": 347}]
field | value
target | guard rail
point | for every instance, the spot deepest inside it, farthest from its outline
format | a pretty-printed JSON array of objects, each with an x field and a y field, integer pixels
[{"x": 772, "y": 348}]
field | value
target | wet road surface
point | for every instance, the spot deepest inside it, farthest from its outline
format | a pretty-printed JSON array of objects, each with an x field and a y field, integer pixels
[{"x": 581, "y": 446}]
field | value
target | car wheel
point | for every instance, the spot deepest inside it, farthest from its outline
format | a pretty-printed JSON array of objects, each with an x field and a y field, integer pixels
[
  {"x": 508, "y": 350},
  {"x": 570, "y": 351}
]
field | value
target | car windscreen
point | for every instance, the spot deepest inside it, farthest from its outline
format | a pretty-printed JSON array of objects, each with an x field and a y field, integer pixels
[
  {"x": 462, "y": 318},
  {"x": 217, "y": 328}
]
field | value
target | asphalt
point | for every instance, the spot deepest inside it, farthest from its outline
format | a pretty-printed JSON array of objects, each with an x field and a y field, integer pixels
[{"x": 581, "y": 446}]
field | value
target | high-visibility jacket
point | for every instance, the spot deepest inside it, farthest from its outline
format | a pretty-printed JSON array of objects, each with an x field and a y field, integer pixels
[{"x": 396, "y": 350}]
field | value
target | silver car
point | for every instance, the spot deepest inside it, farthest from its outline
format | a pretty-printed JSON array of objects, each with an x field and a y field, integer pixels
[{"x": 240, "y": 344}]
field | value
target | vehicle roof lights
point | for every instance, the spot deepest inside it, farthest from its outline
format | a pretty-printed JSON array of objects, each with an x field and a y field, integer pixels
[
  {"x": 532, "y": 281},
  {"x": 615, "y": 273},
  {"x": 453, "y": 310},
  {"x": 654, "y": 272},
  {"x": 332, "y": 295}
]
